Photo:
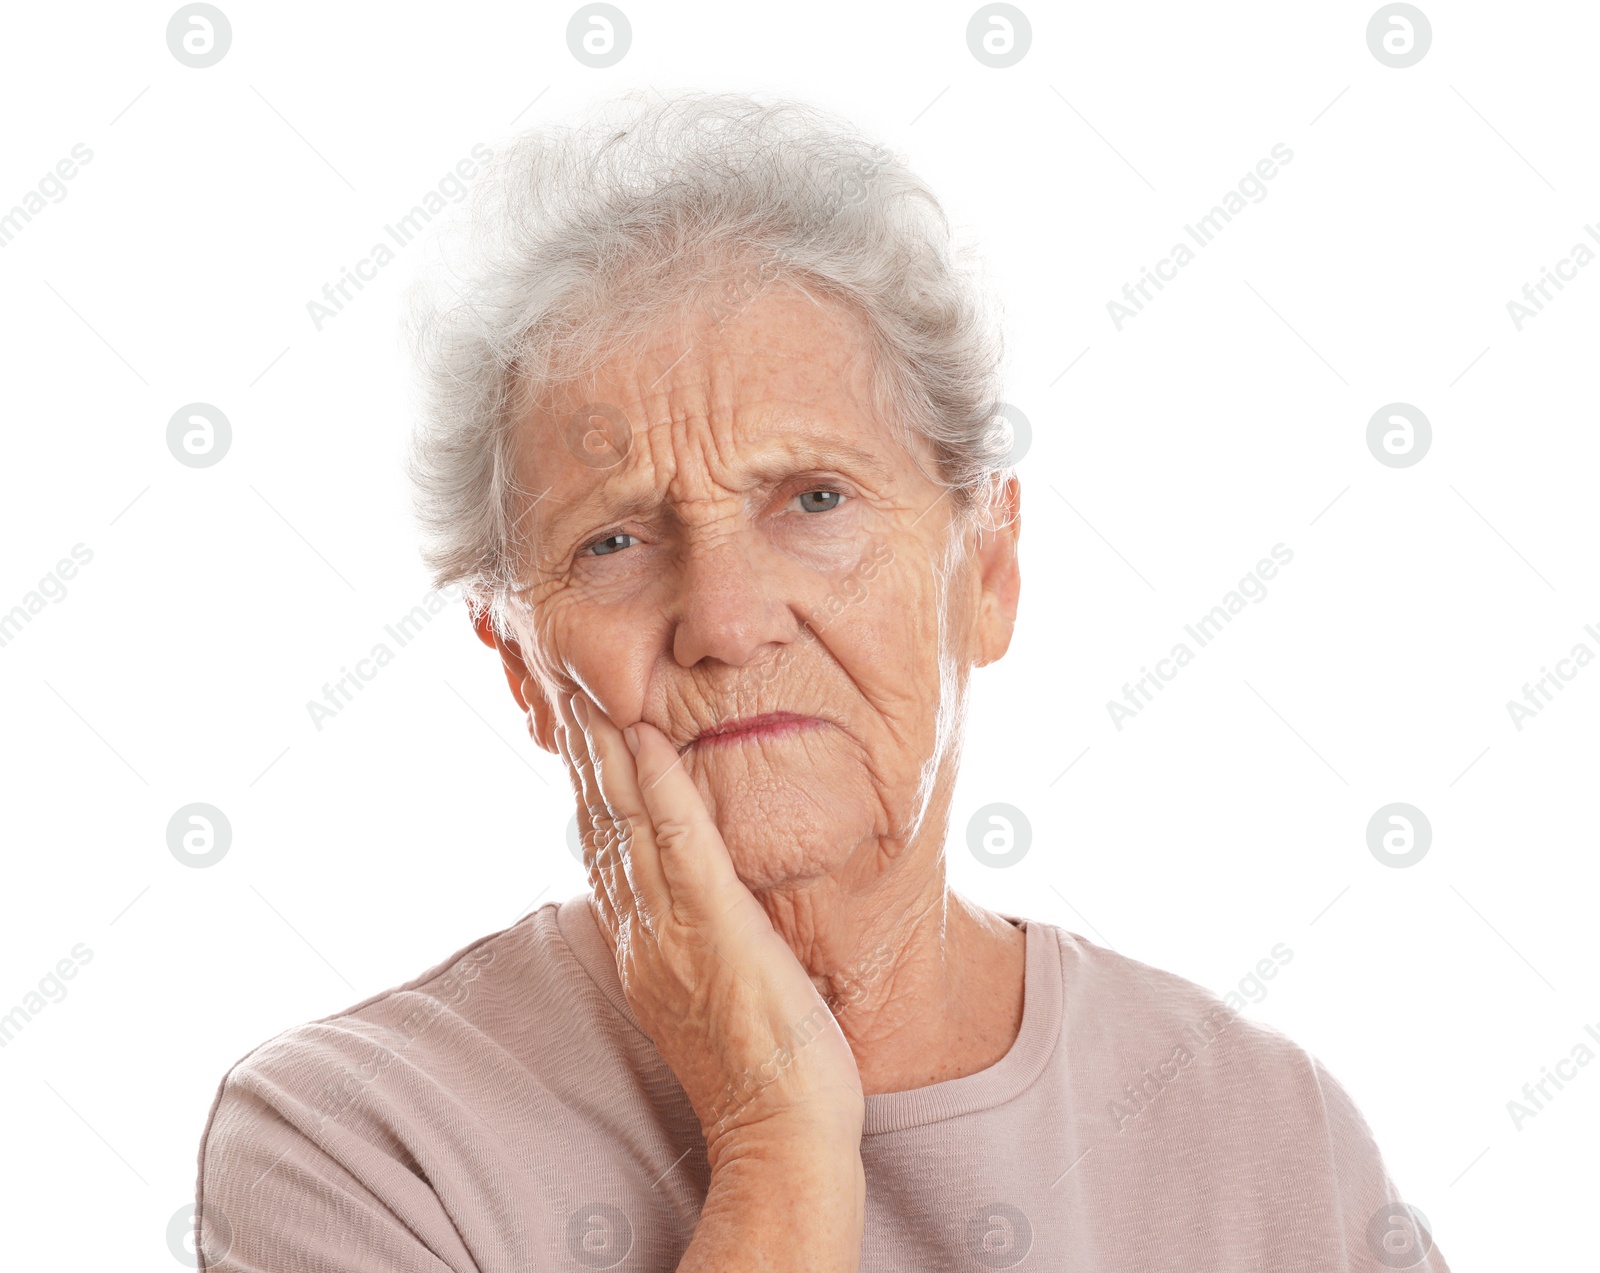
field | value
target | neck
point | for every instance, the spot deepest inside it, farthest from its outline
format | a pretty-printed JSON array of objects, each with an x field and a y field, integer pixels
[{"x": 925, "y": 985}]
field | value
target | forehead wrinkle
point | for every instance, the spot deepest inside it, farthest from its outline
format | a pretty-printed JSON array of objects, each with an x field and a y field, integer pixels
[
  {"x": 701, "y": 442},
  {"x": 700, "y": 412},
  {"x": 777, "y": 458}
]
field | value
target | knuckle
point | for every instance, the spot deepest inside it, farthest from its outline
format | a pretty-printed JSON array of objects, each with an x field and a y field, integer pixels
[{"x": 673, "y": 832}]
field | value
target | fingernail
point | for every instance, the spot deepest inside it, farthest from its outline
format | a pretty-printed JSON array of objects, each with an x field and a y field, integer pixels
[
  {"x": 631, "y": 737},
  {"x": 580, "y": 710}
]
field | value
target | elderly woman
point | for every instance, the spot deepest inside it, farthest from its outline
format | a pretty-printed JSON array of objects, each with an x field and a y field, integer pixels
[{"x": 712, "y": 445}]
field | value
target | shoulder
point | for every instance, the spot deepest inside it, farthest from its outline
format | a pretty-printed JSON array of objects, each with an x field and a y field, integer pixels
[
  {"x": 507, "y": 995},
  {"x": 1170, "y": 1082},
  {"x": 407, "y": 1019},
  {"x": 328, "y": 1121},
  {"x": 372, "y": 1068},
  {"x": 1136, "y": 1030}
]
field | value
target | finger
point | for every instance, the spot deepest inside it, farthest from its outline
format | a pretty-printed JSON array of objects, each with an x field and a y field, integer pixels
[
  {"x": 609, "y": 832},
  {"x": 595, "y": 825},
  {"x": 619, "y": 786},
  {"x": 605, "y": 912},
  {"x": 694, "y": 860},
  {"x": 585, "y": 823},
  {"x": 630, "y": 836}
]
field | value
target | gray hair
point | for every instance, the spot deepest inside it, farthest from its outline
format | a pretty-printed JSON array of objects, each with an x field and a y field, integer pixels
[{"x": 578, "y": 240}]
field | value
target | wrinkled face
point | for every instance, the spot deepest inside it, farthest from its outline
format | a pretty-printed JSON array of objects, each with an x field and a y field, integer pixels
[{"x": 760, "y": 569}]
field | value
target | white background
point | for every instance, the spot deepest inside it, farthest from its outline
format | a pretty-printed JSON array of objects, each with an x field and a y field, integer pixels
[{"x": 1230, "y": 416}]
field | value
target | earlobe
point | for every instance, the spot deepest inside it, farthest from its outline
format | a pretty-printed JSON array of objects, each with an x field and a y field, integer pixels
[
  {"x": 516, "y": 675},
  {"x": 483, "y": 625},
  {"x": 542, "y": 718},
  {"x": 525, "y": 688},
  {"x": 1000, "y": 576},
  {"x": 522, "y": 685}
]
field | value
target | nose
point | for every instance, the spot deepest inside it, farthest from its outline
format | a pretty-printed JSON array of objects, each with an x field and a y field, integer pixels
[{"x": 727, "y": 604}]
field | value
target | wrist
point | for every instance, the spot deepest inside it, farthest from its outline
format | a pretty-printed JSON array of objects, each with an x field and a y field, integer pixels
[
  {"x": 765, "y": 1198},
  {"x": 836, "y": 1127},
  {"x": 813, "y": 1148}
]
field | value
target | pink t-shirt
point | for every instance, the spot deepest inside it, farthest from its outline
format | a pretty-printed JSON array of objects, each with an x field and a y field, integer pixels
[{"x": 505, "y": 1112}]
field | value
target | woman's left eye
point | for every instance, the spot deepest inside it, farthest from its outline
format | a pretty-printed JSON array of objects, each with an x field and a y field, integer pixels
[
  {"x": 610, "y": 544},
  {"x": 819, "y": 501}
]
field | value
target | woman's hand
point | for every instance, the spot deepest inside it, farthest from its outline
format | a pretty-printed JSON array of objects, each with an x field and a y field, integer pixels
[{"x": 731, "y": 1010}]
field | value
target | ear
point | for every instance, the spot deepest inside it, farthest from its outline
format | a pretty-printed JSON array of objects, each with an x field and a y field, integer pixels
[
  {"x": 999, "y": 573},
  {"x": 524, "y": 686}
]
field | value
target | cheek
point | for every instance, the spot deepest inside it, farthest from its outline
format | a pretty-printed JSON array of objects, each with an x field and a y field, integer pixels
[
  {"x": 609, "y": 650},
  {"x": 883, "y": 632}
]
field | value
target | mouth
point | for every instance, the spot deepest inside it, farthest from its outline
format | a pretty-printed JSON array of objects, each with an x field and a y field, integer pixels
[{"x": 750, "y": 729}]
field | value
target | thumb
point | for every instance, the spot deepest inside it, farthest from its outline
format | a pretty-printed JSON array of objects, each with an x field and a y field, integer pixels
[{"x": 694, "y": 859}]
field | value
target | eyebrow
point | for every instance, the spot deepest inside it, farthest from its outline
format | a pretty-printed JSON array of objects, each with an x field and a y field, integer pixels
[
  {"x": 807, "y": 458},
  {"x": 811, "y": 457}
]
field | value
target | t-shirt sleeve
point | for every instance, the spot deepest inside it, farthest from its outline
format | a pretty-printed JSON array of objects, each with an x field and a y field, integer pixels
[
  {"x": 283, "y": 1190},
  {"x": 1382, "y": 1233}
]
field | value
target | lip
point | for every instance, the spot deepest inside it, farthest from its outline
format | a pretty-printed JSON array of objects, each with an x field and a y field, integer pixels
[{"x": 754, "y": 729}]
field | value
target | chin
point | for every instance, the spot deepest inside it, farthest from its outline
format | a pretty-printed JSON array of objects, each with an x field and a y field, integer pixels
[
  {"x": 780, "y": 836},
  {"x": 792, "y": 810}
]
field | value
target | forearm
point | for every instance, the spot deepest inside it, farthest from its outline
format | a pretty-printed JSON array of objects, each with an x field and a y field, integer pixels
[{"x": 785, "y": 1209}]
